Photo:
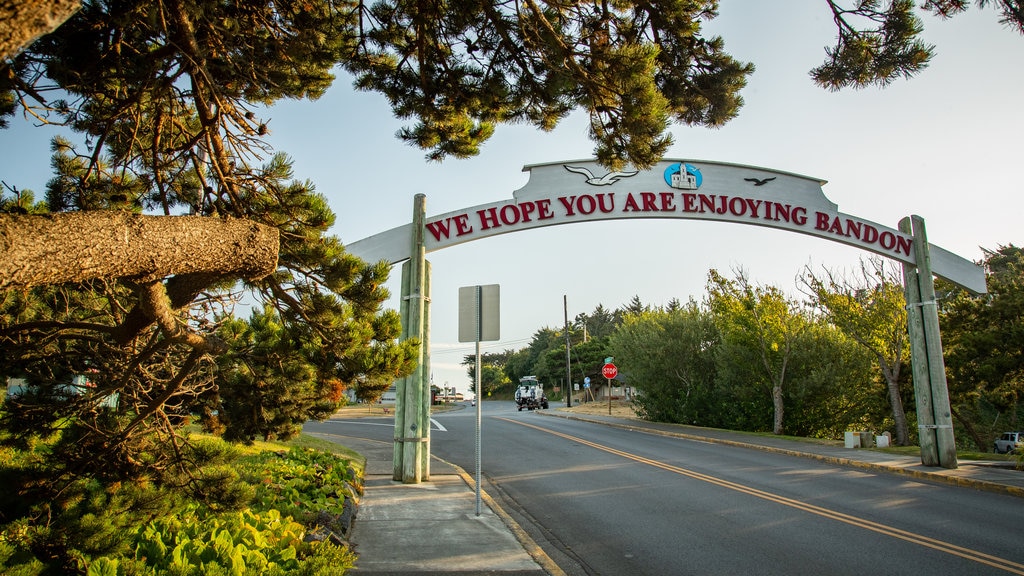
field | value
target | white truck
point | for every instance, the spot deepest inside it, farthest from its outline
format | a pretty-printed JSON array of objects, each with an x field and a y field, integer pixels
[{"x": 530, "y": 394}]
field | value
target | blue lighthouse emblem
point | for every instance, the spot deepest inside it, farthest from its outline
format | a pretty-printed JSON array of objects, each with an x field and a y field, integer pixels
[{"x": 683, "y": 176}]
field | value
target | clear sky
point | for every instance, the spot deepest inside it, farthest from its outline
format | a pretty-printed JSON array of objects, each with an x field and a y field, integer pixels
[{"x": 944, "y": 145}]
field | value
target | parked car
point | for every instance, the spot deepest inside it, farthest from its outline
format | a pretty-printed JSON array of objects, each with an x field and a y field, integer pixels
[{"x": 1009, "y": 442}]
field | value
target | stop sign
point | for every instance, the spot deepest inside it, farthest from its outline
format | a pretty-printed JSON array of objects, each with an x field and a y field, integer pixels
[{"x": 609, "y": 371}]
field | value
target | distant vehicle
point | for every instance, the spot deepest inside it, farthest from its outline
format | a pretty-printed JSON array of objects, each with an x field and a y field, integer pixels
[
  {"x": 530, "y": 394},
  {"x": 1009, "y": 442},
  {"x": 472, "y": 402}
]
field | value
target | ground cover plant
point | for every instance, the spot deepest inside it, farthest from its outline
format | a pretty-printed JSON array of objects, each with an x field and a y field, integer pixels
[{"x": 264, "y": 510}]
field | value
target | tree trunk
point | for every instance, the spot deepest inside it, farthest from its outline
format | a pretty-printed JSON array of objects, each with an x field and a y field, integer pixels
[
  {"x": 983, "y": 444},
  {"x": 26, "y": 20},
  {"x": 898, "y": 415},
  {"x": 79, "y": 246},
  {"x": 779, "y": 408}
]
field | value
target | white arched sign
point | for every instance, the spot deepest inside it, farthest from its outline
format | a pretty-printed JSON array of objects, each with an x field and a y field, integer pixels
[{"x": 582, "y": 191}]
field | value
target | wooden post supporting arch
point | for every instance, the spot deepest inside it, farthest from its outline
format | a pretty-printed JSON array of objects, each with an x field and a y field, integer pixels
[
  {"x": 412, "y": 394},
  {"x": 582, "y": 191},
  {"x": 931, "y": 392}
]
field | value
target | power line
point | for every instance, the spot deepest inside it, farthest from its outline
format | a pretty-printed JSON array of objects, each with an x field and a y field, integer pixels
[{"x": 469, "y": 349}]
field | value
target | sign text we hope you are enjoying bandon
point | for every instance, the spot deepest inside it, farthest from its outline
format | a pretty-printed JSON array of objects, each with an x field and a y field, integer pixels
[{"x": 582, "y": 191}]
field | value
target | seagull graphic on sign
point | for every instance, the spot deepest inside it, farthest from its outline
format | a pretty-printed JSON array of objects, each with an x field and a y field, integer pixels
[
  {"x": 760, "y": 181},
  {"x": 606, "y": 180}
]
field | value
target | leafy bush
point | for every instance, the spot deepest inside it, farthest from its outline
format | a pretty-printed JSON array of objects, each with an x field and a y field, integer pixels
[
  {"x": 237, "y": 542},
  {"x": 301, "y": 482},
  {"x": 142, "y": 529}
]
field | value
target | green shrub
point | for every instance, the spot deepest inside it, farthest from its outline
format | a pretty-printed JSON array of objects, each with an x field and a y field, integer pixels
[
  {"x": 143, "y": 528},
  {"x": 301, "y": 482}
]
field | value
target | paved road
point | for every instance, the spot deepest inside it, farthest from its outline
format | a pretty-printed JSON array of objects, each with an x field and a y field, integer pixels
[{"x": 602, "y": 500}]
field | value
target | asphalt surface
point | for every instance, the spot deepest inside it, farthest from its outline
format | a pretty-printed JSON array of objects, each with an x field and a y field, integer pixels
[{"x": 433, "y": 528}]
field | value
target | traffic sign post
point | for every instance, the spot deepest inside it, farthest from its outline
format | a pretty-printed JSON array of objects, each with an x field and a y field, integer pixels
[
  {"x": 479, "y": 320},
  {"x": 609, "y": 371}
]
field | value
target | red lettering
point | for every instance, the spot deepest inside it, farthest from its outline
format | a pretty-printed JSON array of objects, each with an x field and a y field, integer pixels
[
  {"x": 525, "y": 208},
  {"x": 544, "y": 209},
  {"x": 668, "y": 202},
  {"x": 439, "y": 228},
  {"x": 443, "y": 228},
  {"x": 742, "y": 206},
  {"x": 721, "y": 209},
  {"x": 689, "y": 202},
  {"x": 799, "y": 215},
  {"x": 587, "y": 204},
  {"x": 887, "y": 240},
  {"x": 870, "y": 234},
  {"x": 567, "y": 202},
  {"x": 631, "y": 205},
  {"x": 904, "y": 245},
  {"x": 754, "y": 205},
  {"x": 648, "y": 198},
  {"x": 488, "y": 218},
  {"x": 866, "y": 233},
  {"x": 853, "y": 228},
  {"x": 462, "y": 225},
  {"x": 590, "y": 206},
  {"x": 508, "y": 219},
  {"x": 836, "y": 227},
  {"x": 707, "y": 202}
]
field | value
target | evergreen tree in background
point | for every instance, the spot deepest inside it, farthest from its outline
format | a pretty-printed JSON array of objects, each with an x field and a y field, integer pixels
[{"x": 983, "y": 341}]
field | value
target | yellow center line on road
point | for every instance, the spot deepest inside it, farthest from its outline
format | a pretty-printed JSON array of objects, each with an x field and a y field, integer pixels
[{"x": 965, "y": 553}]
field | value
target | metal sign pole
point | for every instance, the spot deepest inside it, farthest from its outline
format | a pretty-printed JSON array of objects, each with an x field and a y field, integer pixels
[
  {"x": 479, "y": 320},
  {"x": 568, "y": 365},
  {"x": 479, "y": 396},
  {"x": 609, "y": 396}
]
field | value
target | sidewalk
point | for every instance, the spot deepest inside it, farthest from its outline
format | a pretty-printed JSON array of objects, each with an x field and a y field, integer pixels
[{"x": 432, "y": 527}]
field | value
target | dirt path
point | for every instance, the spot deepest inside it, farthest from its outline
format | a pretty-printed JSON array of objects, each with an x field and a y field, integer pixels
[{"x": 619, "y": 409}]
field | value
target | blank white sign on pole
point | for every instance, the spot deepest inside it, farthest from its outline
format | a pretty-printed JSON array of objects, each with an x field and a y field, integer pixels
[{"x": 490, "y": 325}]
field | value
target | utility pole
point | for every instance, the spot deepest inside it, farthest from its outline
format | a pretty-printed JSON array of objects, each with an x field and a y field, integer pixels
[{"x": 568, "y": 366}]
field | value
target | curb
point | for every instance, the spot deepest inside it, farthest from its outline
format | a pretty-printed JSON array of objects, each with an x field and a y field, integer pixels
[
  {"x": 531, "y": 547},
  {"x": 917, "y": 474}
]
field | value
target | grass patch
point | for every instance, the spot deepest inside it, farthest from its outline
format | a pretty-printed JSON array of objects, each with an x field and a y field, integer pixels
[
  {"x": 388, "y": 410},
  {"x": 301, "y": 441},
  {"x": 960, "y": 454}
]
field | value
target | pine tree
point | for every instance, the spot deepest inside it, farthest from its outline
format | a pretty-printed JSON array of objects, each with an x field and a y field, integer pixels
[
  {"x": 164, "y": 96},
  {"x": 983, "y": 341}
]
